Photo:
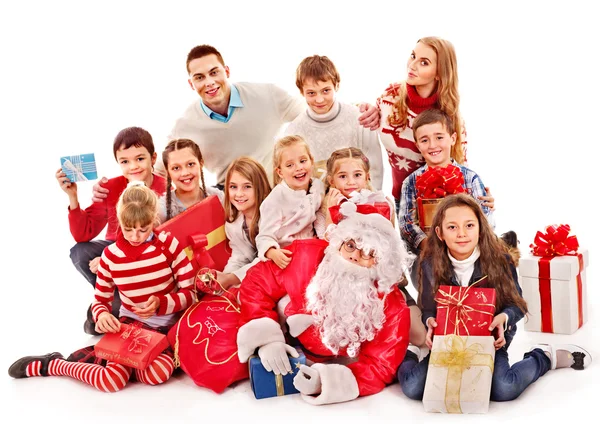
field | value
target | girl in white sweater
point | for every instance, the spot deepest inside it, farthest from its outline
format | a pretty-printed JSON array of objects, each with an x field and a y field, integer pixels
[
  {"x": 246, "y": 186},
  {"x": 288, "y": 213}
]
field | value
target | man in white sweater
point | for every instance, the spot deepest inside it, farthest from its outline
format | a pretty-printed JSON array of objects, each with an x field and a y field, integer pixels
[{"x": 233, "y": 120}]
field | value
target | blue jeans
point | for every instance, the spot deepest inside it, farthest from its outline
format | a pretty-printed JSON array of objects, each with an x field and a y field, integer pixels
[
  {"x": 507, "y": 382},
  {"x": 82, "y": 254}
]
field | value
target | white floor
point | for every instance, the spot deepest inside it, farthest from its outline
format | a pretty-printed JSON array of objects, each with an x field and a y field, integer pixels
[{"x": 74, "y": 75}]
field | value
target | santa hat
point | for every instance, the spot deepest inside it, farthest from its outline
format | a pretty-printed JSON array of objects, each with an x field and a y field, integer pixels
[{"x": 373, "y": 232}]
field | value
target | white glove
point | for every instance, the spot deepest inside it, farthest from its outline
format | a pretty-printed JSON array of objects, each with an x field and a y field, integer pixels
[
  {"x": 308, "y": 381},
  {"x": 274, "y": 357}
]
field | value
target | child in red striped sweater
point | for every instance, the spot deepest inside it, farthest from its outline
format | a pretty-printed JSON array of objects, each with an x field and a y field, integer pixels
[{"x": 155, "y": 280}]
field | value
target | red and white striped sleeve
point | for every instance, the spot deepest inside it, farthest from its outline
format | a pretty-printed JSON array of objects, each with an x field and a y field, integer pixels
[
  {"x": 183, "y": 274},
  {"x": 105, "y": 287}
]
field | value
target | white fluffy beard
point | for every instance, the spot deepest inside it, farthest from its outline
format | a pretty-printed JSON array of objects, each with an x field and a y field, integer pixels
[{"x": 344, "y": 302}]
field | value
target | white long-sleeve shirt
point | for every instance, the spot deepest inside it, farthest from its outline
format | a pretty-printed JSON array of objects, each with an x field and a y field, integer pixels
[
  {"x": 243, "y": 253},
  {"x": 287, "y": 215},
  {"x": 335, "y": 130}
]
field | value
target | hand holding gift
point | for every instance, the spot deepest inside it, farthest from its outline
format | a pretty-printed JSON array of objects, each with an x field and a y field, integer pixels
[
  {"x": 308, "y": 380},
  {"x": 498, "y": 324},
  {"x": 107, "y": 323},
  {"x": 274, "y": 357}
]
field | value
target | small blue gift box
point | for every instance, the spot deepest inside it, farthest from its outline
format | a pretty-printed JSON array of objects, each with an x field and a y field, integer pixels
[
  {"x": 267, "y": 384},
  {"x": 79, "y": 167}
]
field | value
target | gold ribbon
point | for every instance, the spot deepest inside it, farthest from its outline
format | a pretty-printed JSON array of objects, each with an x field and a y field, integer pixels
[
  {"x": 457, "y": 357},
  {"x": 279, "y": 384},
  {"x": 456, "y": 301},
  {"x": 213, "y": 238}
]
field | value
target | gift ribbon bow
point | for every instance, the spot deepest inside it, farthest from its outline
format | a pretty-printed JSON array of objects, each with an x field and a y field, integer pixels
[
  {"x": 457, "y": 357},
  {"x": 455, "y": 303},
  {"x": 555, "y": 241},
  {"x": 438, "y": 182},
  {"x": 77, "y": 174},
  {"x": 139, "y": 341}
]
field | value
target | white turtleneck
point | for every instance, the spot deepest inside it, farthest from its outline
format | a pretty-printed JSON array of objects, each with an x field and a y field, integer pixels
[
  {"x": 335, "y": 130},
  {"x": 464, "y": 269}
]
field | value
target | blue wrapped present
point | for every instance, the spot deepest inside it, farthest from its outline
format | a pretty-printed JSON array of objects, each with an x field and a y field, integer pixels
[
  {"x": 79, "y": 167},
  {"x": 267, "y": 384}
]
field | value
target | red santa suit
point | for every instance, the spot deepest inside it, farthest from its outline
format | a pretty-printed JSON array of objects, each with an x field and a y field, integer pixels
[{"x": 377, "y": 360}]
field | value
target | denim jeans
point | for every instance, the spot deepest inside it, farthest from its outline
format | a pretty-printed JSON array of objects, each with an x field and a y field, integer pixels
[
  {"x": 507, "y": 382},
  {"x": 82, "y": 254}
]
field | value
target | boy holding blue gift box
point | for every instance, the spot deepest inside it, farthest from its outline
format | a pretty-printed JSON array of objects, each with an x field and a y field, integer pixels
[
  {"x": 134, "y": 151},
  {"x": 344, "y": 303}
]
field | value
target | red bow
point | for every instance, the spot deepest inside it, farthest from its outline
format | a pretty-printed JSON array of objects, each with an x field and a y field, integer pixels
[
  {"x": 436, "y": 183},
  {"x": 556, "y": 241}
]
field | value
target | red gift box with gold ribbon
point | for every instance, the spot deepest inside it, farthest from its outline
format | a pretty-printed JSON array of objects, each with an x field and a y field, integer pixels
[
  {"x": 465, "y": 311},
  {"x": 201, "y": 229},
  {"x": 553, "y": 281},
  {"x": 133, "y": 346},
  {"x": 432, "y": 186}
]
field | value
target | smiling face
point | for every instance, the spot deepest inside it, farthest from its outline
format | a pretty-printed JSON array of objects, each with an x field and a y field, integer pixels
[
  {"x": 242, "y": 194},
  {"x": 184, "y": 169},
  {"x": 435, "y": 144},
  {"x": 209, "y": 78},
  {"x": 319, "y": 95},
  {"x": 136, "y": 164},
  {"x": 349, "y": 176},
  {"x": 422, "y": 68},
  {"x": 295, "y": 167},
  {"x": 460, "y": 231}
]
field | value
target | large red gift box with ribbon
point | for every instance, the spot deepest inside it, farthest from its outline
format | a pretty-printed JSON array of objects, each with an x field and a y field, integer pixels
[
  {"x": 201, "y": 229},
  {"x": 553, "y": 281},
  {"x": 465, "y": 311},
  {"x": 132, "y": 346},
  {"x": 432, "y": 186}
]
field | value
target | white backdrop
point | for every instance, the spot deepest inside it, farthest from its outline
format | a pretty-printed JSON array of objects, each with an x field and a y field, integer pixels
[{"x": 73, "y": 75}]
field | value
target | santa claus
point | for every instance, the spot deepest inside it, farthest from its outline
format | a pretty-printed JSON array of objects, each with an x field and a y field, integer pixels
[{"x": 342, "y": 304}]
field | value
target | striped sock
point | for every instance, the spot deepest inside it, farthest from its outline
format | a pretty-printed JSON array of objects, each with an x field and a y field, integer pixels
[
  {"x": 111, "y": 378},
  {"x": 159, "y": 371},
  {"x": 34, "y": 369}
]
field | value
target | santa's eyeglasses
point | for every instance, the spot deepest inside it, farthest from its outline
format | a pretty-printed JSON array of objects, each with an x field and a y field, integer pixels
[{"x": 350, "y": 246}]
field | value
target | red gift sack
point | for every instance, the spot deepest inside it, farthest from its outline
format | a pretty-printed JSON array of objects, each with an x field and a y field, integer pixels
[
  {"x": 201, "y": 229},
  {"x": 205, "y": 342},
  {"x": 133, "y": 346}
]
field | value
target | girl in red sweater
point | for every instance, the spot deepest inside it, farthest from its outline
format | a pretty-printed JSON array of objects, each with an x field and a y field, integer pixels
[{"x": 155, "y": 282}]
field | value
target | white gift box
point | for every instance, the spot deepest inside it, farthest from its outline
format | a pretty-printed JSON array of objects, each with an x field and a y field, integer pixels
[
  {"x": 459, "y": 377},
  {"x": 557, "y": 304}
]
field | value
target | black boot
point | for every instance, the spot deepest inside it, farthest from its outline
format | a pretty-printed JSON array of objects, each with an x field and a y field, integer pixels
[
  {"x": 89, "y": 326},
  {"x": 17, "y": 369}
]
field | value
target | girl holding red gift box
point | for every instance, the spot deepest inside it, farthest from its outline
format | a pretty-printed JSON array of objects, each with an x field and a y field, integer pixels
[
  {"x": 155, "y": 281},
  {"x": 185, "y": 169},
  {"x": 463, "y": 251},
  {"x": 290, "y": 210},
  {"x": 432, "y": 82}
]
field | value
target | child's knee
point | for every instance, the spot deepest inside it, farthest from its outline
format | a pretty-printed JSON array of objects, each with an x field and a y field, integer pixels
[{"x": 503, "y": 391}]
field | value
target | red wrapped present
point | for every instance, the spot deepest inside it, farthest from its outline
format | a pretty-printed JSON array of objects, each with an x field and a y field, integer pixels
[
  {"x": 554, "y": 282},
  {"x": 133, "y": 346},
  {"x": 465, "y": 311},
  {"x": 205, "y": 342},
  {"x": 201, "y": 229},
  {"x": 432, "y": 186}
]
